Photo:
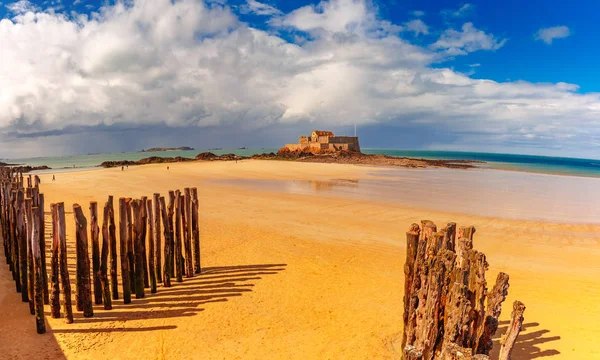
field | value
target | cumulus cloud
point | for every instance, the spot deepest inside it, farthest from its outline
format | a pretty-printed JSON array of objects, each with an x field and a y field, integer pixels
[
  {"x": 158, "y": 64},
  {"x": 21, "y": 7},
  {"x": 417, "y": 26},
  {"x": 468, "y": 40},
  {"x": 418, "y": 13},
  {"x": 547, "y": 35},
  {"x": 465, "y": 10},
  {"x": 258, "y": 8}
]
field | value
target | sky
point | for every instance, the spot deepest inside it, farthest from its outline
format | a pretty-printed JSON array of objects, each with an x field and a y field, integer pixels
[{"x": 88, "y": 76}]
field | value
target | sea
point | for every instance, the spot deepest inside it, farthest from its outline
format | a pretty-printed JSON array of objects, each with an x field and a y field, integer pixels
[{"x": 526, "y": 163}]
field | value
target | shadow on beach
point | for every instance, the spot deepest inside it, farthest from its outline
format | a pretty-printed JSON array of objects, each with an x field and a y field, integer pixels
[{"x": 527, "y": 343}]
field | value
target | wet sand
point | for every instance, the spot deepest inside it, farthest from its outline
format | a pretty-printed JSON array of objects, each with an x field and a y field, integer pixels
[{"x": 306, "y": 275}]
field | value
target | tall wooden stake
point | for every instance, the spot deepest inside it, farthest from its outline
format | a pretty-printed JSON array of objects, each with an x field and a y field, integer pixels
[
  {"x": 151, "y": 267},
  {"x": 64, "y": 270},
  {"x": 30, "y": 273},
  {"x": 510, "y": 338},
  {"x": 196, "y": 231},
  {"x": 41, "y": 205},
  {"x": 125, "y": 279},
  {"x": 144, "y": 229},
  {"x": 84, "y": 293},
  {"x": 95, "y": 233},
  {"x": 21, "y": 227},
  {"x": 54, "y": 274},
  {"x": 170, "y": 212},
  {"x": 157, "y": 245},
  {"x": 187, "y": 227},
  {"x": 139, "y": 260},
  {"x": 130, "y": 246},
  {"x": 104, "y": 259},
  {"x": 114, "y": 281},
  {"x": 39, "y": 283},
  {"x": 178, "y": 256},
  {"x": 167, "y": 232}
]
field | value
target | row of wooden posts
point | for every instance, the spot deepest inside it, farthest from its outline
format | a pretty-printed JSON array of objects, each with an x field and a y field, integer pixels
[{"x": 143, "y": 265}]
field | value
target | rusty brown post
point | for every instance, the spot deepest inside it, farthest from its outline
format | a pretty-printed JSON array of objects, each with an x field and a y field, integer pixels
[
  {"x": 170, "y": 212},
  {"x": 104, "y": 282},
  {"x": 84, "y": 293},
  {"x": 42, "y": 232},
  {"x": 139, "y": 261},
  {"x": 196, "y": 231},
  {"x": 130, "y": 246},
  {"x": 187, "y": 226},
  {"x": 21, "y": 227},
  {"x": 178, "y": 262},
  {"x": 54, "y": 273},
  {"x": 125, "y": 279},
  {"x": 37, "y": 269},
  {"x": 151, "y": 267},
  {"x": 64, "y": 270},
  {"x": 167, "y": 233},
  {"x": 114, "y": 281},
  {"x": 95, "y": 234},
  {"x": 156, "y": 236},
  {"x": 30, "y": 273},
  {"x": 144, "y": 229}
]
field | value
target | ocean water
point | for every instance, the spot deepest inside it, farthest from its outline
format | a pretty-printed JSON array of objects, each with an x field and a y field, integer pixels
[{"x": 526, "y": 163}]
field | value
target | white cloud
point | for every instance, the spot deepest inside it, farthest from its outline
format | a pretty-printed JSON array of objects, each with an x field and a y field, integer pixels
[
  {"x": 160, "y": 63},
  {"x": 22, "y": 7},
  {"x": 418, "y": 13},
  {"x": 465, "y": 10},
  {"x": 258, "y": 8},
  {"x": 547, "y": 35},
  {"x": 468, "y": 40},
  {"x": 417, "y": 26}
]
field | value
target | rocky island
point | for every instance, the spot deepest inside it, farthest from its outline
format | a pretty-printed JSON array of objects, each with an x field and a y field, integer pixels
[{"x": 157, "y": 149}]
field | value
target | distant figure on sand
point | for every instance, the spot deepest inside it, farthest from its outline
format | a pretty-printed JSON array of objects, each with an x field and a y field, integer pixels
[
  {"x": 122, "y": 167},
  {"x": 167, "y": 168},
  {"x": 53, "y": 178}
]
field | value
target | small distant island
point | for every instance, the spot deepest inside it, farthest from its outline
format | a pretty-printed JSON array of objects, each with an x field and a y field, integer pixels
[{"x": 157, "y": 149}]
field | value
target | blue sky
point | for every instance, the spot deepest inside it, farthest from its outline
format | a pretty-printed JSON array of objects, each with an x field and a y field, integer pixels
[{"x": 508, "y": 76}]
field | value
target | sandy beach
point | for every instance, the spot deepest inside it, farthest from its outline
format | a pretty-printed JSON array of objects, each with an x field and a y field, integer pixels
[{"x": 296, "y": 276}]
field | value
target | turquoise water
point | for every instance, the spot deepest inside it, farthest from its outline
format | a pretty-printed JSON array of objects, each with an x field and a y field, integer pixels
[{"x": 528, "y": 163}]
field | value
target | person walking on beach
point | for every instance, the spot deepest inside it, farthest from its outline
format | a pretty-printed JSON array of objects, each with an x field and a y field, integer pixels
[
  {"x": 53, "y": 178},
  {"x": 122, "y": 167}
]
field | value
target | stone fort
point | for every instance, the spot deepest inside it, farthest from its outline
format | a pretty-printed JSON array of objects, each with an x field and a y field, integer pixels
[{"x": 325, "y": 141}]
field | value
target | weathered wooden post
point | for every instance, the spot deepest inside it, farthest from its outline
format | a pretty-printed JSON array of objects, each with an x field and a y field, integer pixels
[
  {"x": 14, "y": 240},
  {"x": 167, "y": 233},
  {"x": 37, "y": 268},
  {"x": 494, "y": 307},
  {"x": 412, "y": 240},
  {"x": 84, "y": 293},
  {"x": 130, "y": 245},
  {"x": 139, "y": 261},
  {"x": 30, "y": 273},
  {"x": 114, "y": 281},
  {"x": 178, "y": 256},
  {"x": 144, "y": 255},
  {"x": 516, "y": 324},
  {"x": 95, "y": 232},
  {"x": 104, "y": 258},
  {"x": 22, "y": 247},
  {"x": 151, "y": 269},
  {"x": 170, "y": 212},
  {"x": 54, "y": 274},
  {"x": 64, "y": 270},
  {"x": 157, "y": 245},
  {"x": 41, "y": 204},
  {"x": 196, "y": 231},
  {"x": 187, "y": 226},
  {"x": 125, "y": 279}
]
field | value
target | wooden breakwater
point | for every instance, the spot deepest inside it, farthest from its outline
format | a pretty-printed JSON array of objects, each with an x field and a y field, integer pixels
[
  {"x": 145, "y": 259},
  {"x": 448, "y": 311}
]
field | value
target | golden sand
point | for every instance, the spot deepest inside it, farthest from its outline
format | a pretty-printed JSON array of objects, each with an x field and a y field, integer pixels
[{"x": 304, "y": 277}]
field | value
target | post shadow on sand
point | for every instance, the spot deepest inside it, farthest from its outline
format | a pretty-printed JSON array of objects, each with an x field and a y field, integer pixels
[
  {"x": 526, "y": 346},
  {"x": 214, "y": 285}
]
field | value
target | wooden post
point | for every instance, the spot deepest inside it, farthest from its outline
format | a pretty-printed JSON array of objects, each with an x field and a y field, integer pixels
[
  {"x": 139, "y": 260},
  {"x": 15, "y": 240},
  {"x": 178, "y": 263},
  {"x": 42, "y": 232},
  {"x": 151, "y": 267},
  {"x": 195, "y": 231},
  {"x": 130, "y": 246},
  {"x": 54, "y": 277},
  {"x": 170, "y": 212},
  {"x": 144, "y": 255},
  {"x": 412, "y": 241},
  {"x": 84, "y": 292},
  {"x": 157, "y": 245},
  {"x": 187, "y": 226},
  {"x": 37, "y": 268},
  {"x": 125, "y": 279},
  {"x": 95, "y": 233},
  {"x": 64, "y": 270},
  {"x": 22, "y": 247},
  {"x": 167, "y": 232},
  {"x": 494, "y": 307},
  {"x": 30, "y": 273},
  {"x": 114, "y": 281},
  {"x": 516, "y": 324},
  {"x": 104, "y": 283}
]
